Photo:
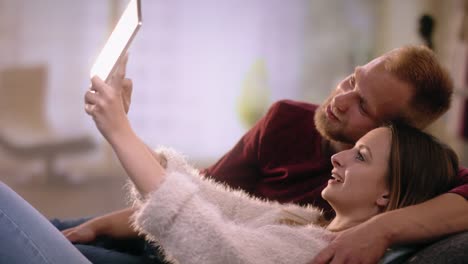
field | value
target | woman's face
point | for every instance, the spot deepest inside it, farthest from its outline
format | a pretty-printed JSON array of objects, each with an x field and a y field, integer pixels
[{"x": 359, "y": 175}]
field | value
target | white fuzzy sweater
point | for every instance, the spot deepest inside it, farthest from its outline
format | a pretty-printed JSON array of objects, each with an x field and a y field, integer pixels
[{"x": 197, "y": 220}]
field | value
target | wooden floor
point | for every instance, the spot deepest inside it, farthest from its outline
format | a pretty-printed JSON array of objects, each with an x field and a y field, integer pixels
[
  {"x": 92, "y": 196},
  {"x": 97, "y": 188}
]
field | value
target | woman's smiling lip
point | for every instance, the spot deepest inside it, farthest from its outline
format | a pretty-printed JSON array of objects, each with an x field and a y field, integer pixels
[
  {"x": 330, "y": 114},
  {"x": 336, "y": 177}
]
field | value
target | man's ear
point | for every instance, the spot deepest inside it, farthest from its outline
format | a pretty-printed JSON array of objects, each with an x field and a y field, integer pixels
[{"x": 383, "y": 200}]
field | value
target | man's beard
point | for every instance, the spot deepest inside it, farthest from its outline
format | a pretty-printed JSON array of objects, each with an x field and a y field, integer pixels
[{"x": 326, "y": 129}]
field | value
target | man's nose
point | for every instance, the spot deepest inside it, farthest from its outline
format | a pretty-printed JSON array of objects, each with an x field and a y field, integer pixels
[{"x": 344, "y": 100}]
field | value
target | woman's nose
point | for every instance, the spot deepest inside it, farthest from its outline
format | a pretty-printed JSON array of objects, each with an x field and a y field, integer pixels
[{"x": 336, "y": 159}]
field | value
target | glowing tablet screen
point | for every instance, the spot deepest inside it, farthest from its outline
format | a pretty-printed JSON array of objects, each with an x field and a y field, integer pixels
[{"x": 119, "y": 41}]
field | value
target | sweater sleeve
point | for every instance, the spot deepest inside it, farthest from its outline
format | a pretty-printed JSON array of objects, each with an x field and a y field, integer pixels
[
  {"x": 194, "y": 230},
  {"x": 236, "y": 204}
]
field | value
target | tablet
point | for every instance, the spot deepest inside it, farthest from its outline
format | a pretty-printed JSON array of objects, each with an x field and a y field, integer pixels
[{"x": 118, "y": 42}]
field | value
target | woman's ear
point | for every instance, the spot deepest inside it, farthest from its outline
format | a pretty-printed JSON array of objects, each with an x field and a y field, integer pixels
[{"x": 383, "y": 200}]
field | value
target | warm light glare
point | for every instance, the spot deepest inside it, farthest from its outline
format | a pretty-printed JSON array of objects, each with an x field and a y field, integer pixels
[{"x": 118, "y": 41}]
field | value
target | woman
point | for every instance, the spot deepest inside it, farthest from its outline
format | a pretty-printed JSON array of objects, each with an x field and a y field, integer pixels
[{"x": 199, "y": 221}]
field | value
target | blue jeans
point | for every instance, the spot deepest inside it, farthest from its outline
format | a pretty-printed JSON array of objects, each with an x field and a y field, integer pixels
[
  {"x": 28, "y": 237},
  {"x": 108, "y": 250}
]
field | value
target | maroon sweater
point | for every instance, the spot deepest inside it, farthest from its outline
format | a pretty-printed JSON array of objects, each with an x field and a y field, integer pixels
[{"x": 281, "y": 158}]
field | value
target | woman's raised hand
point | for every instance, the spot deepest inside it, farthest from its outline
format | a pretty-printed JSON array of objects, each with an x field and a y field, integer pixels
[
  {"x": 127, "y": 88},
  {"x": 108, "y": 103},
  {"x": 104, "y": 103},
  {"x": 119, "y": 79}
]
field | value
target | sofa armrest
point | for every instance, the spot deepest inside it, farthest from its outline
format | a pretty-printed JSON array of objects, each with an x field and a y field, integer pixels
[{"x": 452, "y": 249}]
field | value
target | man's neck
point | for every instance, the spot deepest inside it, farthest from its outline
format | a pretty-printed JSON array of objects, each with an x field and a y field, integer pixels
[{"x": 331, "y": 147}]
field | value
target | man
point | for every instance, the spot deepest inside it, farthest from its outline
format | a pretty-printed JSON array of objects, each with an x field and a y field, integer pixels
[{"x": 286, "y": 155}]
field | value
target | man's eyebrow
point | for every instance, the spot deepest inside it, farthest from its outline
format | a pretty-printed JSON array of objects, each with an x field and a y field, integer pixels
[
  {"x": 369, "y": 110},
  {"x": 362, "y": 98},
  {"x": 361, "y": 146}
]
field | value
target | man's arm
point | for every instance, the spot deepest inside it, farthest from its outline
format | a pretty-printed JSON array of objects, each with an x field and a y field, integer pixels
[
  {"x": 367, "y": 242},
  {"x": 443, "y": 215}
]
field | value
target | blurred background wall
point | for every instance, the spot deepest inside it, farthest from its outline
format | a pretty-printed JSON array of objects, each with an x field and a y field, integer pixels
[{"x": 203, "y": 71}]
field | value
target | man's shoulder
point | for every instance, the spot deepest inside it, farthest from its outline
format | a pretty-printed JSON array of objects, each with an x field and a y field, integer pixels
[
  {"x": 463, "y": 173},
  {"x": 291, "y": 111},
  {"x": 293, "y": 105},
  {"x": 461, "y": 184},
  {"x": 290, "y": 119}
]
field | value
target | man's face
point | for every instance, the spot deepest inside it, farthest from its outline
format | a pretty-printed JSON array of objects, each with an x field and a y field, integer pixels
[{"x": 361, "y": 102}]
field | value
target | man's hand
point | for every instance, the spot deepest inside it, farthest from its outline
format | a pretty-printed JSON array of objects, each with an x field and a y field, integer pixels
[{"x": 364, "y": 243}]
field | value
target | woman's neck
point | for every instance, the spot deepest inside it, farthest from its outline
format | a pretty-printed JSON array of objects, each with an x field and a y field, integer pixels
[
  {"x": 339, "y": 224},
  {"x": 344, "y": 221}
]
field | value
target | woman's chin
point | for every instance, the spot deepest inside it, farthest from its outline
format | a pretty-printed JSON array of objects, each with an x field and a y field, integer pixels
[
  {"x": 331, "y": 193},
  {"x": 326, "y": 193}
]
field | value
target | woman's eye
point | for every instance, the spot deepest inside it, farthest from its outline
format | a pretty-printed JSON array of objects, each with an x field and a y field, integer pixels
[{"x": 359, "y": 156}]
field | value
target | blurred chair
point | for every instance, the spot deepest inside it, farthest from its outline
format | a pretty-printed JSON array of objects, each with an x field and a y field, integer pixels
[{"x": 24, "y": 129}]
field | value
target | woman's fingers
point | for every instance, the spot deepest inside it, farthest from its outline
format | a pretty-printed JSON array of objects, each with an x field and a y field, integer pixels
[
  {"x": 127, "y": 94},
  {"x": 98, "y": 85},
  {"x": 127, "y": 86},
  {"x": 118, "y": 76},
  {"x": 103, "y": 99},
  {"x": 67, "y": 232},
  {"x": 91, "y": 97},
  {"x": 122, "y": 70},
  {"x": 71, "y": 235},
  {"x": 89, "y": 109}
]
